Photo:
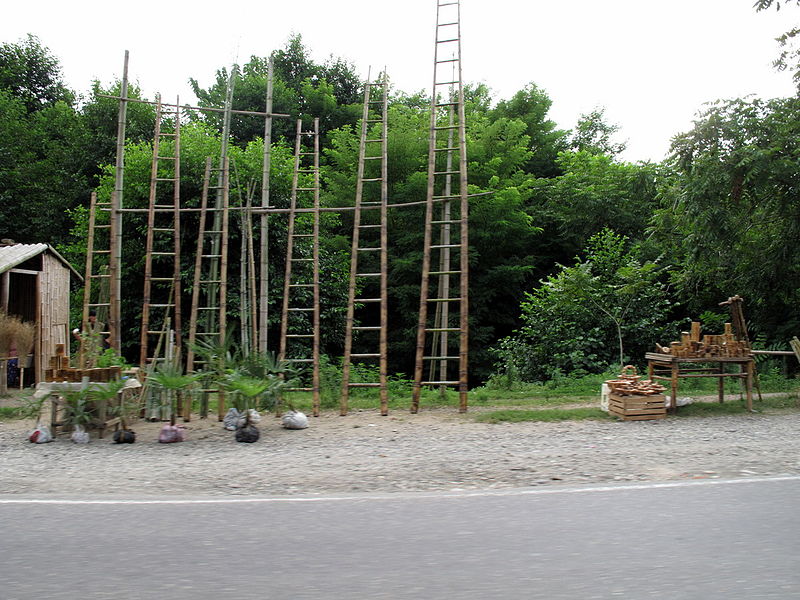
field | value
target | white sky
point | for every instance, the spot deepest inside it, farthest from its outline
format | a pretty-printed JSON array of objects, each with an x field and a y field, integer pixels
[{"x": 650, "y": 64}]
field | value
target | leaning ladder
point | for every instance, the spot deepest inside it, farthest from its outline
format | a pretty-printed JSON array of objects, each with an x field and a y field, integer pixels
[
  {"x": 96, "y": 291},
  {"x": 208, "y": 317},
  {"x": 368, "y": 258},
  {"x": 446, "y": 233},
  {"x": 300, "y": 331},
  {"x": 162, "y": 250}
]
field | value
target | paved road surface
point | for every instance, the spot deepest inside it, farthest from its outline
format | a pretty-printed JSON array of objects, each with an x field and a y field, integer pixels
[{"x": 700, "y": 540}]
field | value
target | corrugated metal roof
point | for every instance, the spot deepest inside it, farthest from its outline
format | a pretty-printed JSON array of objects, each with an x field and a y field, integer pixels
[{"x": 11, "y": 256}]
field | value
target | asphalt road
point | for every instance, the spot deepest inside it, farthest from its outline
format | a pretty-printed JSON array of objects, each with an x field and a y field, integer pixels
[{"x": 705, "y": 540}]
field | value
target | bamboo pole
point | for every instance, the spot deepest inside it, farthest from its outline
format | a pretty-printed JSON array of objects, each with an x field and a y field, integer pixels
[
  {"x": 116, "y": 216},
  {"x": 263, "y": 323}
]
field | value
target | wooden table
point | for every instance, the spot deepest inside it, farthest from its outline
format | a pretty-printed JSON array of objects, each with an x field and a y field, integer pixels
[
  {"x": 103, "y": 420},
  {"x": 666, "y": 367}
]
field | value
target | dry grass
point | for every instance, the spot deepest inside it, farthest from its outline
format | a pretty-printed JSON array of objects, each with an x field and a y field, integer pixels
[{"x": 15, "y": 332}]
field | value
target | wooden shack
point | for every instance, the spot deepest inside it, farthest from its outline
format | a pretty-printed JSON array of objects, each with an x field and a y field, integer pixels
[{"x": 35, "y": 286}]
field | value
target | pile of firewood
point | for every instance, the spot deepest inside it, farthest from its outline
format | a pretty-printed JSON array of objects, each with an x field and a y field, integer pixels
[
  {"x": 629, "y": 383},
  {"x": 61, "y": 371},
  {"x": 709, "y": 346}
]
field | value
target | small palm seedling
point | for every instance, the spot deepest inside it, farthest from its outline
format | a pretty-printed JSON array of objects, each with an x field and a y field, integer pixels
[
  {"x": 78, "y": 414},
  {"x": 171, "y": 381}
]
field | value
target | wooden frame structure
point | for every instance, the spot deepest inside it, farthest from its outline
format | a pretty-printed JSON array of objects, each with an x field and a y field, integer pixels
[{"x": 442, "y": 332}]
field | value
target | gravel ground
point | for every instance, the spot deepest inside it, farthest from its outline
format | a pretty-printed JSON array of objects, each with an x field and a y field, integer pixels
[{"x": 364, "y": 452}]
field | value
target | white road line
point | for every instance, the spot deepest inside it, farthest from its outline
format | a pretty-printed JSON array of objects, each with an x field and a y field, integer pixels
[{"x": 412, "y": 495}]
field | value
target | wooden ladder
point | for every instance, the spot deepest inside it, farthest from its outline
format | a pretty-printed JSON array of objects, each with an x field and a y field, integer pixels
[
  {"x": 368, "y": 258},
  {"x": 300, "y": 330},
  {"x": 161, "y": 296},
  {"x": 208, "y": 317},
  {"x": 446, "y": 225},
  {"x": 97, "y": 279}
]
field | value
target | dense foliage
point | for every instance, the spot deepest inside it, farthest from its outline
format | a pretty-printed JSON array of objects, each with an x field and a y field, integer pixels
[{"x": 647, "y": 245}]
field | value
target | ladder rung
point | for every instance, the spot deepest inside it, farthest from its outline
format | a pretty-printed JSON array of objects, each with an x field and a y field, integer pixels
[
  {"x": 300, "y": 309},
  {"x": 98, "y": 304},
  {"x": 370, "y": 226},
  {"x": 373, "y": 157},
  {"x": 436, "y": 246},
  {"x": 445, "y": 127},
  {"x": 162, "y": 279},
  {"x": 299, "y": 335},
  {"x": 364, "y": 385},
  {"x": 449, "y": 60},
  {"x": 210, "y": 281},
  {"x": 102, "y": 226},
  {"x": 370, "y": 249},
  {"x": 151, "y": 305},
  {"x": 444, "y": 273},
  {"x": 367, "y": 300},
  {"x": 440, "y": 382},
  {"x": 303, "y": 235},
  {"x": 166, "y": 179},
  {"x": 99, "y": 276},
  {"x": 443, "y": 104},
  {"x": 365, "y": 355},
  {"x": 366, "y": 328},
  {"x": 162, "y": 254},
  {"x": 444, "y": 299},
  {"x": 165, "y": 206},
  {"x": 442, "y": 329},
  {"x": 302, "y": 259},
  {"x": 301, "y": 285},
  {"x": 368, "y": 274},
  {"x": 166, "y": 157},
  {"x": 211, "y": 256},
  {"x": 208, "y": 308},
  {"x": 299, "y": 360},
  {"x": 447, "y": 173},
  {"x": 162, "y": 229},
  {"x": 101, "y": 251},
  {"x": 448, "y": 149},
  {"x": 447, "y": 222},
  {"x": 372, "y": 179}
]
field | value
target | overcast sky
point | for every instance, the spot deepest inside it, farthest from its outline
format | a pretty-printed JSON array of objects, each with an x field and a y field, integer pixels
[{"x": 651, "y": 64}]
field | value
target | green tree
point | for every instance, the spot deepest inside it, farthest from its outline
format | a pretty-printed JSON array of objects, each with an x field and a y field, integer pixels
[
  {"x": 31, "y": 73},
  {"x": 609, "y": 307},
  {"x": 789, "y": 57},
  {"x": 594, "y": 135},
  {"x": 731, "y": 213},
  {"x": 531, "y": 105}
]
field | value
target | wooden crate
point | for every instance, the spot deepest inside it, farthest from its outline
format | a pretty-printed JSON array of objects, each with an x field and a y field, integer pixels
[{"x": 637, "y": 408}]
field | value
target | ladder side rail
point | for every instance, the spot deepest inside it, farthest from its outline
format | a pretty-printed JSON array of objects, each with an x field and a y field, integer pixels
[
  {"x": 176, "y": 271},
  {"x": 383, "y": 341},
  {"x": 315, "y": 377}
]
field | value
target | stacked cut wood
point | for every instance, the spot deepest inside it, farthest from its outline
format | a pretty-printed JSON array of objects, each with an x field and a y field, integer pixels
[
  {"x": 61, "y": 371},
  {"x": 628, "y": 383},
  {"x": 692, "y": 345}
]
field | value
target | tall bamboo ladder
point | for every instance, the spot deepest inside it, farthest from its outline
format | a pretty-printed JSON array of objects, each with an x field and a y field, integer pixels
[
  {"x": 446, "y": 233},
  {"x": 208, "y": 317},
  {"x": 161, "y": 297},
  {"x": 368, "y": 257},
  {"x": 97, "y": 279},
  {"x": 300, "y": 331}
]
